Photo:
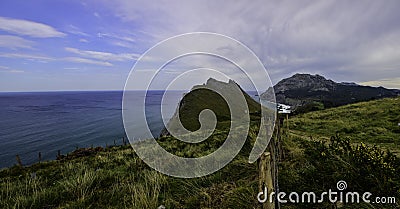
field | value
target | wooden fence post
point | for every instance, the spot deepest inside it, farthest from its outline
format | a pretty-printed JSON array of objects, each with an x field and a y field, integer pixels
[
  {"x": 287, "y": 122},
  {"x": 18, "y": 160},
  {"x": 268, "y": 166},
  {"x": 266, "y": 180}
]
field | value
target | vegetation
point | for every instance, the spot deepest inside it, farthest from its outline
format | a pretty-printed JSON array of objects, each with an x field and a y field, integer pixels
[
  {"x": 201, "y": 98},
  {"x": 116, "y": 178},
  {"x": 308, "y": 107},
  {"x": 318, "y": 165},
  {"x": 375, "y": 122}
]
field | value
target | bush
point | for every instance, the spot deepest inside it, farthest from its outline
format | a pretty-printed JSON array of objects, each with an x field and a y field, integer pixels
[
  {"x": 312, "y": 106},
  {"x": 324, "y": 163}
]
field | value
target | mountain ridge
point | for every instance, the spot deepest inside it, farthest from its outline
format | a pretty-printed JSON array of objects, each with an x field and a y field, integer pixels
[{"x": 304, "y": 89}]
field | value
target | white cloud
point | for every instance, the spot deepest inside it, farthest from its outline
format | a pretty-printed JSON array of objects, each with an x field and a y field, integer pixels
[
  {"x": 114, "y": 36},
  {"x": 27, "y": 56},
  {"x": 71, "y": 68},
  {"x": 106, "y": 56},
  {"x": 384, "y": 51},
  {"x": 6, "y": 69},
  {"x": 87, "y": 61},
  {"x": 83, "y": 40},
  {"x": 45, "y": 59},
  {"x": 123, "y": 44},
  {"x": 359, "y": 39},
  {"x": 76, "y": 31},
  {"x": 122, "y": 39},
  {"x": 14, "y": 42},
  {"x": 28, "y": 28},
  {"x": 388, "y": 83},
  {"x": 16, "y": 71}
]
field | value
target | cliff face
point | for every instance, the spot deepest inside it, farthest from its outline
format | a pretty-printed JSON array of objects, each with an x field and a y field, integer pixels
[
  {"x": 303, "y": 89},
  {"x": 201, "y": 98}
]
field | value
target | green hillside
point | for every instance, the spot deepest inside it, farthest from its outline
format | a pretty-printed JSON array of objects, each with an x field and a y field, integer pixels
[
  {"x": 374, "y": 122},
  {"x": 205, "y": 96},
  {"x": 199, "y": 99},
  {"x": 116, "y": 178}
]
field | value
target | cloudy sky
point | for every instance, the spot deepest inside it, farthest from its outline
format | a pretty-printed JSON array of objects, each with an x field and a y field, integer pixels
[{"x": 92, "y": 44}]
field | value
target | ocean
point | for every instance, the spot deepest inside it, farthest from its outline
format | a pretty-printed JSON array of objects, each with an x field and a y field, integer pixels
[
  {"x": 33, "y": 122},
  {"x": 50, "y": 121}
]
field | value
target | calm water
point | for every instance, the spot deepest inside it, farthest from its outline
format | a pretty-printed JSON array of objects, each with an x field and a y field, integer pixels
[
  {"x": 50, "y": 121},
  {"x": 46, "y": 122}
]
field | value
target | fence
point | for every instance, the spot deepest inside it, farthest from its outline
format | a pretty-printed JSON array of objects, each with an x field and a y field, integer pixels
[
  {"x": 18, "y": 158},
  {"x": 268, "y": 164}
]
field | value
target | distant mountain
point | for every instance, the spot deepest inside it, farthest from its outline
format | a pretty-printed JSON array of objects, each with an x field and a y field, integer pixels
[{"x": 304, "y": 89}]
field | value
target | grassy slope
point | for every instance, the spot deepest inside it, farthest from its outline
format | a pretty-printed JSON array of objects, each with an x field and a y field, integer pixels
[
  {"x": 190, "y": 107},
  {"x": 117, "y": 178},
  {"x": 371, "y": 122}
]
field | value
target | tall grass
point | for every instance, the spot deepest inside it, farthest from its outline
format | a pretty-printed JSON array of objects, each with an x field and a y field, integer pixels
[{"x": 102, "y": 181}]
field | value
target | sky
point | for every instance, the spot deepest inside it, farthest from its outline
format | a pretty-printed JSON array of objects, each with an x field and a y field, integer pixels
[{"x": 48, "y": 45}]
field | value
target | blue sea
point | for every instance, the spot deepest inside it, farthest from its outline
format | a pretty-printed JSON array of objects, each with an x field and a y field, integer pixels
[{"x": 50, "y": 121}]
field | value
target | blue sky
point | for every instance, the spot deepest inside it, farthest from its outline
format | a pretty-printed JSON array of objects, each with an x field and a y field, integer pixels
[{"x": 92, "y": 45}]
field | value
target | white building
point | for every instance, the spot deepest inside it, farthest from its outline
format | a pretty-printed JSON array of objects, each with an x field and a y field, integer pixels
[{"x": 285, "y": 109}]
